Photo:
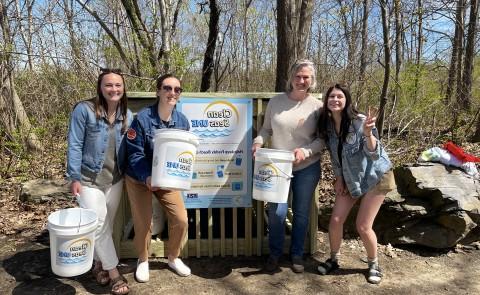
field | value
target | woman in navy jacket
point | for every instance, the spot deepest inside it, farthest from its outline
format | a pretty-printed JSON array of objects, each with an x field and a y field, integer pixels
[{"x": 162, "y": 114}]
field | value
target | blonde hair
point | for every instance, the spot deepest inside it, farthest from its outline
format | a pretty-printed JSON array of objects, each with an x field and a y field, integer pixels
[{"x": 300, "y": 63}]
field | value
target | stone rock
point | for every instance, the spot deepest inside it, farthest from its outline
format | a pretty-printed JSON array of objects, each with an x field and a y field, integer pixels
[
  {"x": 43, "y": 190},
  {"x": 434, "y": 206}
]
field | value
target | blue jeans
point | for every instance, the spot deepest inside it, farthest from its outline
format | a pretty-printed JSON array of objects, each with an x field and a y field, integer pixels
[{"x": 303, "y": 186}]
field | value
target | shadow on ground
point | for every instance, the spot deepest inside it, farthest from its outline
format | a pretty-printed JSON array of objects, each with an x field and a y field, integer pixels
[{"x": 31, "y": 270}]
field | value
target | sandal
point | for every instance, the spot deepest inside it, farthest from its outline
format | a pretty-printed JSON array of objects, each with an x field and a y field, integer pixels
[
  {"x": 328, "y": 266},
  {"x": 374, "y": 274},
  {"x": 101, "y": 276},
  {"x": 119, "y": 283}
]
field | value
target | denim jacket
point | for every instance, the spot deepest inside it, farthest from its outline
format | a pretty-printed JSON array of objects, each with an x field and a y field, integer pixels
[
  {"x": 361, "y": 169},
  {"x": 140, "y": 139},
  {"x": 88, "y": 139}
]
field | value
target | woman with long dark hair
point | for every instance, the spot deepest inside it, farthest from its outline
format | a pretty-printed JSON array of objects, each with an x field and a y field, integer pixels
[
  {"x": 362, "y": 170},
  {"x": 96, "y": 160}
]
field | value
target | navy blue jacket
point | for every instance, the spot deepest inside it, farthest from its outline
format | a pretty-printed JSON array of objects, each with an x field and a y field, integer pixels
[{"x": 140, "y": 139}]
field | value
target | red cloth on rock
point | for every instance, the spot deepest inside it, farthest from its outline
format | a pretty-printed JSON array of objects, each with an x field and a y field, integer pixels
[{"x": 459, "y": 153}]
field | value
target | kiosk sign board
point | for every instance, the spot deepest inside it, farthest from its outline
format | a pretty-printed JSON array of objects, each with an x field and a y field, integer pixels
[{"x": 223, "y": 163}]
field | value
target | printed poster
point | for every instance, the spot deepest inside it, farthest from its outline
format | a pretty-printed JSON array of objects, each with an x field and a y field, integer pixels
[{"x": 223, "y": 164}]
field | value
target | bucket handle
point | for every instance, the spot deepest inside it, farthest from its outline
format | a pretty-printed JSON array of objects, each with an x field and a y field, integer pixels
[
  {"x": 80, "y": 222},
  {"x": 287, "y": 176},
  {"x": 77, "y": 196}
]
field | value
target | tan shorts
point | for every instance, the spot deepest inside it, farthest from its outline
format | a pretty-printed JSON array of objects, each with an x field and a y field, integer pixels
[{"x": 387, "y": 183}]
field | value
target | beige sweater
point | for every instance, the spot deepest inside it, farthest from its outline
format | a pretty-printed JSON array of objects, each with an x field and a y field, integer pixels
[{"x": 293, "y": 124}]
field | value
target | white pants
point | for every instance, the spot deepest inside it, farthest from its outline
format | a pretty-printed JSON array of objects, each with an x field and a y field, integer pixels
[{"x": 105, "y": 204}]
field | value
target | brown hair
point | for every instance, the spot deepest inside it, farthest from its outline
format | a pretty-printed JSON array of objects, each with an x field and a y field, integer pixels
[
  {"x": 100, "y": 103},
  {"x": 348, "y": 113}
]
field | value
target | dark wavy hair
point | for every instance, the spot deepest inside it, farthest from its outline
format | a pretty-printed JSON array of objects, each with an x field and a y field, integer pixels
[
  {"x": 348, "y": 113},
  {"x": 100, "y": 103},
  {"x": 163, "y": 78}
]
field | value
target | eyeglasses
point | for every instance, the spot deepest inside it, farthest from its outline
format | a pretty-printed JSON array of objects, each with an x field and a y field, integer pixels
[
  {"x": 169, "y": 88},
  {"x": 109, "y": 70}
]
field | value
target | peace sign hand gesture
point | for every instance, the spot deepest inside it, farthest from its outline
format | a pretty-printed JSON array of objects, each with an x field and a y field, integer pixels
[{"x": 370, "y": 121}]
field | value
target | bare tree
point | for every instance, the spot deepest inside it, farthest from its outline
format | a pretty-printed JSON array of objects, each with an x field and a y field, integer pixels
[
  {"x": 351, "y": 19},
  {"x": 13, "y": 117},
  {"x": 387, "y": 58},
  {"x": 116, "y": 42},
  {"x": 455, "y": 63},
  {"x": 208, "y": 60},
  {"x": 418, "y": 55},
  {"x": 168, "y": 15},
  {"x": 363, "y": 50},
  {"x": 465, "y": 97},
  {"x": 294, "y": 19},
  {"x": 26, "y": 32}
]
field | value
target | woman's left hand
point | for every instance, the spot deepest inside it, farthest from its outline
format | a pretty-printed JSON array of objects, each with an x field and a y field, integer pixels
[
  {"x": 369, "y": 121},
  {"x": 299, "y": 155}
]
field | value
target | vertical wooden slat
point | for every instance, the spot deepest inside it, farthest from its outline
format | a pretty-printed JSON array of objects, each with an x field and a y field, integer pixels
[
  {"x": 210, "y": 233},
  {"x": 259, "y": 227},
  {"x": 222, "y": 232},
  {"x": 260, "y": 209},
  {"x": 234, "y": 233},
  {"x": 248, "y": 232},
  {"x": 197, "y": 232}
]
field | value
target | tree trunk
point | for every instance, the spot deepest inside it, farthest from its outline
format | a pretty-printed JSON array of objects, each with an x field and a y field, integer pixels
[
  {"x": 167, "y": 17},
  {"x": 460, "y": 52},
  {"x": 363, "y": 52},
  {"x": 141, "y": 32},
  {"x": 294, "y": 20},
  {"x": 350, "y": 32},
  {"x": 247, "y": 4},
  {"x": 419, "y": 49},
  {"x": 110, "y": 34},
  {"x": 386, "y": 75},
  {"x": 456, "y": 47},
  {"x": 26, "y": 33},
  {"x": 476, "y": 136},
  {"x": 208, "y": 60},
  {"x": 465, "y": 98},
  {"x": 13, "y": 117},
  {"x": 398, "y": 48}
]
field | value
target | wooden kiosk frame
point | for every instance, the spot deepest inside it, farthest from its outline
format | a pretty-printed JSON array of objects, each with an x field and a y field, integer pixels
[{"x": 253, "y": 219}]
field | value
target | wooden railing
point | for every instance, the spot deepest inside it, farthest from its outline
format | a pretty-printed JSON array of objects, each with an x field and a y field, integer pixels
[{"x": 229, "y": 231}]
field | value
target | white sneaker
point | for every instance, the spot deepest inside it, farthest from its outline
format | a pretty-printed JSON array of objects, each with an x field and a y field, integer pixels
[
  {"x": 179, "y": 267},
  {"x": 142, "y": 274}
]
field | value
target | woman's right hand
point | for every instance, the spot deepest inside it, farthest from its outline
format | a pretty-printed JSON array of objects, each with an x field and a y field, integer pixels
[
  {"x": 76, "y": 188},
  {"x": 151, "y": 188},
  {"x": 255, "y": 147},
  {"x": 339, "y": 186}
]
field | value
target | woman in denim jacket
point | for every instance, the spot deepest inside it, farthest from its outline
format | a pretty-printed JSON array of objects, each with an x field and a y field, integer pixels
[
  {"x": 96, "y": 159},
  {"x": 362, "y": 170},
  {"x": 162, "y": 114}
]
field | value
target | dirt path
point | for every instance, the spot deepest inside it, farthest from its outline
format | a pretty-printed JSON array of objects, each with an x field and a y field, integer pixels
[{"x": 26, "y": 270}]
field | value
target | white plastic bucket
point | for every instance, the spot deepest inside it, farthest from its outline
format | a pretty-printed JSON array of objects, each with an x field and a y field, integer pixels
[
  {"x": 72, "y": 238},
  {"x": 173, "y": 157},
  {"x": 272, "y": 174}
]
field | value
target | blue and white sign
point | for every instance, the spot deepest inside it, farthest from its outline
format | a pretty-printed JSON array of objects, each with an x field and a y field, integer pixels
[{"x": 223, "y": 163}]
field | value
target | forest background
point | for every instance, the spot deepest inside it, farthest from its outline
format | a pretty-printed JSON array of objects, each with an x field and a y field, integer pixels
[{"x": 417, "y": 61}]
